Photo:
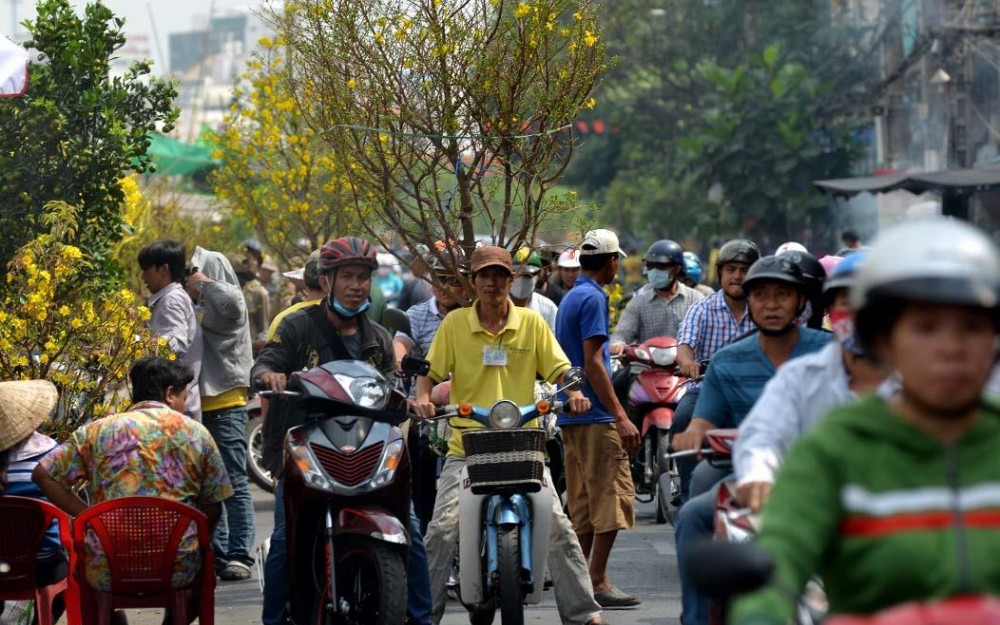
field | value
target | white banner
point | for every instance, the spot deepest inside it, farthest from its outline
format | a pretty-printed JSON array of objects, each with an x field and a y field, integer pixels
[{"x": 13, "y": 69}]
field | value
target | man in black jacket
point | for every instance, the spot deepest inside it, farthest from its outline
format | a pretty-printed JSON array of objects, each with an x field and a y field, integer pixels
[{"x": 335, "y": 328}]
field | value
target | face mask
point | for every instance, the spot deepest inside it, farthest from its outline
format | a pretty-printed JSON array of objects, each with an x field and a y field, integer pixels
[
  {"x": 339, "y": 310},
  {"x": 660, "y": 278},
  {"x": 842, "y": 324},
  {"x": 522, "y": 287}
]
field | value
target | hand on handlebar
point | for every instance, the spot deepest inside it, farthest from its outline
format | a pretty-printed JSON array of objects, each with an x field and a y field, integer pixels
[
  {"x": 617, "y": 348},
  {"x": 687, "y": 440},
  {"x": 273, "y": 381},
  {"x": 424, "y": 409},
  {"x": 691, "y": 370},
  {"x": 753, "y": 495}
]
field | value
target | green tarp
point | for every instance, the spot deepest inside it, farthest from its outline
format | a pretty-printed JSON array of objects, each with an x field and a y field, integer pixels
[{"x": 176, "y": 158}]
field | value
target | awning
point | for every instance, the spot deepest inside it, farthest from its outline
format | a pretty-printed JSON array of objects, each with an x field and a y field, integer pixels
[
  {"x": 951, "y": 182},
  {"x": 176, "y": 158},
  {"x": 13, "y": 69}
]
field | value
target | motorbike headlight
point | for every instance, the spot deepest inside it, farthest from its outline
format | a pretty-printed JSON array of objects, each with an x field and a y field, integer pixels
[
  {"x": 505, "y": 415},
  {"x": 366, "y": 392},
  {"x": 308, "y": 466},
  {"x": 391, "y": 458},
  {"x": 663, "y": 356}
]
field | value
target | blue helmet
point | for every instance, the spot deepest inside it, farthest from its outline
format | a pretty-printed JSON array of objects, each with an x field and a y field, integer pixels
[
  {"x": 692, "y": 267},
  {"x": 842, "y": 275},
  {"x": 665, "y": 251}
]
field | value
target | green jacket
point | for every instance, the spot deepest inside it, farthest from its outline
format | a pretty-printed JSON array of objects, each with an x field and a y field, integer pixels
[{"x": 884, "y": 513}]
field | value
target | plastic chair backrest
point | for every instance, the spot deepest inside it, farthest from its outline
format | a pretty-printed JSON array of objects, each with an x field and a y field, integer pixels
[
  {"x": 140, "y": 537},
  {"x": 23, "y": 523}
]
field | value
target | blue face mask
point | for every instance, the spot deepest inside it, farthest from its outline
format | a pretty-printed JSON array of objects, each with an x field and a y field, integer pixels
[
  {"x": 340, "y": 311},
  {"x": 660, "y": 278}
]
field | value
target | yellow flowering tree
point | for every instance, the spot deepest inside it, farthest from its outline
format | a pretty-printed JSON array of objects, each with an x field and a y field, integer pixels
[
  {"x": 277, "y": 174},
  {"x": 56, "y": 326},
  {"x": 445, "y": 115}
]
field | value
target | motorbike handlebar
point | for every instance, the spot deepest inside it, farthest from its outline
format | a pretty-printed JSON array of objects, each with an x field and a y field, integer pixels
[{"x": 285, "y": 393}]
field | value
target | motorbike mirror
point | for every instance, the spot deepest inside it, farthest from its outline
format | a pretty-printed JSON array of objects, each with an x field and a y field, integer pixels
[
  {"x": 412, "y": 365},
  {"x": 395, "y": 320},
  {"x": 574, "y": 379},
  {"x": 724, "y": 569}
]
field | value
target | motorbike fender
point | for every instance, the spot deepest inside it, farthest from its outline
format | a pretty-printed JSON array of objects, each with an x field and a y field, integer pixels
[
  {"x": 660, "y": 418},
  {"x": 470, "y": 536},
  {"x": 372, "y": 522},
  {"x": 541, "y": 529}
]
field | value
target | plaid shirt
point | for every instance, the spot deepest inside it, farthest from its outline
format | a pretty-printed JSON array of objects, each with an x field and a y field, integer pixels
[
  {"x": 648, "y": 315},
  {"x": 709, "y": 326},
  {"x": 424, "y": 321}
]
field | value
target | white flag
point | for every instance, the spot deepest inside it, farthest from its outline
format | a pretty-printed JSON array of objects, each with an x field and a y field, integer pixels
[{"x": 13, "y": 69}]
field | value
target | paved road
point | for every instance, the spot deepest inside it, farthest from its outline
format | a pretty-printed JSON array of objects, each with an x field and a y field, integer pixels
[{"x": 643, "y": 562}]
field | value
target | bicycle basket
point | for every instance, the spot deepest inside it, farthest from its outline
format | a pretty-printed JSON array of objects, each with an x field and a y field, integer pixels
[{"x": 505, "y": 459}]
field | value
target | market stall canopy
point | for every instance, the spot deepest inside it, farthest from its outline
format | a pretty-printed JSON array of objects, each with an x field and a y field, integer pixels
[
  {"x": 176, "y": 158},
  {"x": 951, "y": 182},
  {"x": 13, "y": 69}
]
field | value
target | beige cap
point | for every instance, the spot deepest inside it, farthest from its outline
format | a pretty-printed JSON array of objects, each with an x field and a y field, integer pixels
[
  {"x": 24, "y": 405},
  {"x": 600, "y": 241}
]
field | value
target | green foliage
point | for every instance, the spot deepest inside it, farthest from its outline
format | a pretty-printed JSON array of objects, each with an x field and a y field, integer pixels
[
  {"x": 76, "y": 131},
  {"x": 727, "y": 111}
]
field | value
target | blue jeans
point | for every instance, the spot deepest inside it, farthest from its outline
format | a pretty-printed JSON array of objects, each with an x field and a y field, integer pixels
[
  {"x": 694, "y": 525},
  {"x": 682, "y": 418},
  {"x": 418, "y": 580},
  {"x": 234, "y": 535}
]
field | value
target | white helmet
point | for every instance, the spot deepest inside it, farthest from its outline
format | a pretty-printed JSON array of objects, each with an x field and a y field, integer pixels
[
  {"x": 569, "y": 259},
  {"x": 790, "y": 246},
  {"x": 938, "y": 260}
]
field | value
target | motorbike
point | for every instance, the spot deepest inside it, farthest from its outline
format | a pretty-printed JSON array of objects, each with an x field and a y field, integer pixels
[
  {"x": 346, "y": 493},
  {"x": 729, "y": 569},
  {"x": 505, "y": 506},
  {"x": 735, "y": 524},
  {"x": 655, "y": 388}
]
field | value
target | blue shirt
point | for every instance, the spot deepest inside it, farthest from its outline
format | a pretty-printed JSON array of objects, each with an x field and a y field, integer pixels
[
  {"x": 738, "y": 373},
  {"x": 583, "y": 314}
]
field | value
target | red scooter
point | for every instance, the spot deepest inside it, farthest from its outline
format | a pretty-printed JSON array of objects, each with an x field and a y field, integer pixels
[{"x": 655, "y": 389}]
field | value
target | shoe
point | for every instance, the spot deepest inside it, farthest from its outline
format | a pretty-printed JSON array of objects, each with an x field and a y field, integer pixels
[
  {"x": 235, "y": 571},
  {"x": 613, "y": 597}
]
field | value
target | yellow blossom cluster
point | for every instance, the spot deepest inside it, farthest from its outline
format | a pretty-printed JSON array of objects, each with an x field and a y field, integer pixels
[
  {"x": 615, "y": 295},
  {"x": 55, "y": 326}
]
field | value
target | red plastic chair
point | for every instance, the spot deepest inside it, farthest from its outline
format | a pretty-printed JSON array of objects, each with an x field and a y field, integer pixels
[
  {"x": 140, "y": 537},
  {"x": 23, "y": 523}
]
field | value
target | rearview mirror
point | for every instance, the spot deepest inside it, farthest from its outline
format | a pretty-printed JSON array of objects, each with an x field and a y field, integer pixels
[
  {"x": 412, "y": 365},
  {"x": 574, "y": 379}
]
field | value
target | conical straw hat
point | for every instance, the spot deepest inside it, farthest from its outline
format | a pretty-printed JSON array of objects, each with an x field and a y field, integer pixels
[{"x": 24, "y": 405}]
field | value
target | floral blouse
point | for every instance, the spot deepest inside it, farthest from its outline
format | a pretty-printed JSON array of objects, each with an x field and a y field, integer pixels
[{"x": 150, "y": 451}]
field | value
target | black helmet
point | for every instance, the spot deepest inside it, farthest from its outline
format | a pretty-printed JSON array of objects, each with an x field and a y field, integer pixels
[
  {"x": 774, "y": 269},
  {"x": 665, "y": 251},
  {"x": 737, "y": 251},
  {"x": 812, "y": 270}
]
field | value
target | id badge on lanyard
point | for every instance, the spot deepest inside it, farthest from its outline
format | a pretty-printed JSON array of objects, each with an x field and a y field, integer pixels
[{"x": 494, "y": 356}]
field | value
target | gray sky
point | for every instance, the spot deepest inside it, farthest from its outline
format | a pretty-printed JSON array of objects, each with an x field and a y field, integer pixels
[{"x": 170, "y": 16}]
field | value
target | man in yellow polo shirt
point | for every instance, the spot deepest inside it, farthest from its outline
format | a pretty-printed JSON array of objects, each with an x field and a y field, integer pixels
[{"x": 492, "y": 351}]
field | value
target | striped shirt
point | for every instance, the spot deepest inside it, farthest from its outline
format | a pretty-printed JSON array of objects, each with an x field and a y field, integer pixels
[
  {"x": 648, "y": 315},
  {"x": 24, "y": 458},
  {"x": 709, "y": 326},
  {"x": 425, "y": 318}
]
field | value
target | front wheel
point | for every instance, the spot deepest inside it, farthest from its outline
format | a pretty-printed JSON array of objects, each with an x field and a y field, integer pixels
[
  {"x": 509, "y": 555},
  {"x": 255, "y": 455},
  {"x": 371, "y": 585},
  {"x": 665, "y": 478}
]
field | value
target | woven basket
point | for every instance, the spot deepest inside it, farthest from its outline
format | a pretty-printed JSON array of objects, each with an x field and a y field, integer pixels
[{"x": 505, "y": 459}]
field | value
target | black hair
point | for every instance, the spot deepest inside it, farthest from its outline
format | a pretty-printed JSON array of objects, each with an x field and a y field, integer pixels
[
  {"x": 4, "y": 465},
  {"x": 153, "y": 375},
  {"x": 850, "y": 236},
  {"x": 164, "y": 252},
  {"x": 595, "y": 262}
]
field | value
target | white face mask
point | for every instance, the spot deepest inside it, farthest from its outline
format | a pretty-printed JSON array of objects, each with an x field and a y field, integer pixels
[{"x": 522, "y": 287}]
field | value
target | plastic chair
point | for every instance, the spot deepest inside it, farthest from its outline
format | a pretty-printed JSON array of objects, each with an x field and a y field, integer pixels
[
  {"x": 140, "y": 537},
  {"x": 23, "y": 523}
]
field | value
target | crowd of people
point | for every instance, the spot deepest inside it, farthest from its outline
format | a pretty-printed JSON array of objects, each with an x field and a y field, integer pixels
[{"x": 897, "y": 340}]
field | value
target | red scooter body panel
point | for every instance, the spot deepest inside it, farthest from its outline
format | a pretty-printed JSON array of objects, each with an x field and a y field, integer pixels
[
  {"x": 370, "y": 521},
  {"x": 722, "y": 440},
  {"x": 965, "y": 610},
  {"x": 661, "y": 418}
]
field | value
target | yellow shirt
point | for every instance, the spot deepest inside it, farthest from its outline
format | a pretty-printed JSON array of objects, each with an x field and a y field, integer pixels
[
  {"x": 459, "y": 347},
  {"x": 233, "y": 398},
  {"x": 272, "y": 330}
]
